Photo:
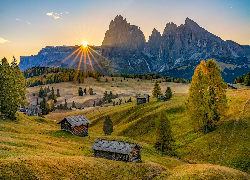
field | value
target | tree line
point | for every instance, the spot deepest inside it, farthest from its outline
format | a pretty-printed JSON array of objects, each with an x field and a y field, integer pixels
[
  {"x": 44, "y": 75},
  {"x": 244, "y": 79}
]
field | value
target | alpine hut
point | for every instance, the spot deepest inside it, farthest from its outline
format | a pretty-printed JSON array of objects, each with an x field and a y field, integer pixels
[
  {"x": 142, "y": 98},
  {"x": 231, "y": 86},
  {"x": 117, "y": 150},
  {"x": 77, "y": 125}
]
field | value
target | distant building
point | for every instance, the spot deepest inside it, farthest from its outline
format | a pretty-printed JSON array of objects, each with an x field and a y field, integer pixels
[
  {"x": 231, "y": 86},
  {"x": 117, "y": 150},
  {"x": 142, "y": 98},
  {"x": 32, "y": 110},
  {"x": 77, "y": 125},
  {"x": 161, "y": 98}
]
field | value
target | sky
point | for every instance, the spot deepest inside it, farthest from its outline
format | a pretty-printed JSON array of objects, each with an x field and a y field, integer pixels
[{"x": 27, "y": 26}]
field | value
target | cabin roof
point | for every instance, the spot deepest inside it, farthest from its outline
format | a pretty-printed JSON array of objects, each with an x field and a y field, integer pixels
[
  {"x": 235, "y": 87},
  {"x": 77, "y": 120},
  {"x": 114, "y": 146},
  {"x": 142, "y": 96}
]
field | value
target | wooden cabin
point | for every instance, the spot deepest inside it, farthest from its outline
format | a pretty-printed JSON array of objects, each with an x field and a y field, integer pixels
[
  {"x": 117, "y": 150},
  {"x": 77, "y": 125},
  {"x": 32, "y": 110},
  {"x": 161, "y": 98},
  {"x": 231, "y": 86},
  {"x": 142, "y": 98}
]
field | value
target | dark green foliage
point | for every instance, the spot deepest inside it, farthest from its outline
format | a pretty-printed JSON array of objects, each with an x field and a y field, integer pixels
[
  {"x": 12, "y": 91},
  {"x": 94, "y": 104},
  {"x": 57, "y": 93},
  {"x": 52, "y": 95},
  {"x": 43, "y": 106},
  {"x": 37, "y": 103},
  {"x": 129, "y": 100},
  {"x": 244, "y": 79},
  {"x": 106, "y": 80},
  {"x": 80, "y": 92},
  {"x": 36, "y": 75},
  {"x": 85, "y": 91},
  {"x": 65, "y": 105},
  {"x": 168, "y": 93},
  {"x": 108, "y": 126},
  {"x": 73, "y": 105},
  {"x": 48, "y": 90},
  {"x": 114, "y": 103},
  {"x": 42, "y": 92},
  {"x": 163, "y": 134}
]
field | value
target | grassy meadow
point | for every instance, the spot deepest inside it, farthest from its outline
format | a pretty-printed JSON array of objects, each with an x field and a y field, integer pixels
[{"x": 36, "y": 148}]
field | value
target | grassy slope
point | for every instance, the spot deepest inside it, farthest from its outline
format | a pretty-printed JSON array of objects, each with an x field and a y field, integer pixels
[{"x": 34, "y": 147}]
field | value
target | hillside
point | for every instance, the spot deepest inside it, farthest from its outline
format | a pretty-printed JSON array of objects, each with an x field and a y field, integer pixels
[{"x": 36, "y": 148}]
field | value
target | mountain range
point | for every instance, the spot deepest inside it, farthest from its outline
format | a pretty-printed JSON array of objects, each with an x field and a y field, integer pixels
[{"x": 176, "y": 52}]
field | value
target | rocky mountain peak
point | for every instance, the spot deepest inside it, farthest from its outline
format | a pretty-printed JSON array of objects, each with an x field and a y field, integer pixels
[{"x": 170, "y": 27}]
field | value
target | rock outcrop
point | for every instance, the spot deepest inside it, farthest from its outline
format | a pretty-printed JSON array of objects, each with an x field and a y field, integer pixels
[{"x": 175, "y": 53}]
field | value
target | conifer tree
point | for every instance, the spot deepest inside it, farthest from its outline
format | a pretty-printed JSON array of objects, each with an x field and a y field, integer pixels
[
  {"x": 207, "y": 96},
  {"x": 157, "y": 90},
  {"x": 73, "y": 105},
  {"x": 65, "y": 105},
  {"x": 168, "y": 93},
  {"x": 57, "y": 93},
  {"x": 163, "y": 134},
  {"x": 108, "y": 126},
  {"x": 80, "y": 92},
  {"x": 12, "y": 91}
]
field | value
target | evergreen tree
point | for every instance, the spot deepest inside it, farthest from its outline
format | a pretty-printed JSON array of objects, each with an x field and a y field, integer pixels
[
  {"x": 12, "y": 91},
  {"x": 163, "y": 134},
  {"x": 157, "y": 90},
  {"x": 48, "y": 90},
  {"x": 57, "y": 93},
  {"x": 114, "y": 103},
  {"x": 168, "y": 93},
  {"x": 41, "y": 92},
  {"x": 85, "y": 91},
  {"x": 65, "y": 105},
  {"x": 207, "y": 96},
  {"x": 73, "y": 105},
  {"x": 80, "y": 92},
  {"x": 43, "y": 106},
  {"x": 37, "y": 103},
  {"x": 108, "y": 126}
]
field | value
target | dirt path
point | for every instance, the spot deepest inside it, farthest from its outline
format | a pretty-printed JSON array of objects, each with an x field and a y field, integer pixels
[{"x": 233, "y": 130}]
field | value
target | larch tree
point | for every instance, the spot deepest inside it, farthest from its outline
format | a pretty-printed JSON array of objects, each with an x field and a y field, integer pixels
[
  {"x": 164, "y": 138},
  {"x": 207, "y": 96},
  {"x": 157, "y": 89},
  {"x": 108, "y": 126},
  {"x": 12, "y": 90}
]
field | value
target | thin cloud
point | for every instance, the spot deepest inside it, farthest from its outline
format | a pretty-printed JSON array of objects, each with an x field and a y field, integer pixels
[
  {"x": 2, "y": 40},
  {"x": 28, "y": 22},
  {"x": 25, "y": 21},
  {"x": 56, "y": 15}
]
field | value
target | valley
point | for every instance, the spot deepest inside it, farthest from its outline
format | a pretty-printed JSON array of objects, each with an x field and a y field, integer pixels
[{"x": 36, "y": 148}]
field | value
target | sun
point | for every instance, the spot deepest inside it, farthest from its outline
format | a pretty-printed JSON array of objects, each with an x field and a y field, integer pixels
[{"x": 84, "y": 43}]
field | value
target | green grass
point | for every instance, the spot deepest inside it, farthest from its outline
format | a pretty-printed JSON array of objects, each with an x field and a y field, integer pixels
[{"x": 36, "y": 148}]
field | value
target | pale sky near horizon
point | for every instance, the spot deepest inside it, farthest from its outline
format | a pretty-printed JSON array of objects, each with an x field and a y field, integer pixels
[{"x": 28, "y": 26}]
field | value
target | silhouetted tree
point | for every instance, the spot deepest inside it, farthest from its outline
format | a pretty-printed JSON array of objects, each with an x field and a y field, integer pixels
[{"x": 108, "y": 126}]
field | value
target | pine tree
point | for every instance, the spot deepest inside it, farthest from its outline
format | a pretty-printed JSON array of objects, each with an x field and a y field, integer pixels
[
  {"x": 43, "y": 105},
  {"x": 168, "y": 93},
  {"x": 73, "y": 105},
  {"x": 157, "y": 90},
  {"x": 207, "y": 96},
  {"x": 57, "y": 93},
  {"x": 163, "y": 134},
  {"x": 65, "y": 105},
  {"x": 80, "y": 92},
  {"x": 108, "y": 126}
]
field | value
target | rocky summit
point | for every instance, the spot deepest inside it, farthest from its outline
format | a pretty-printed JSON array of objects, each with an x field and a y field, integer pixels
[{"x": 176, "y": 52}]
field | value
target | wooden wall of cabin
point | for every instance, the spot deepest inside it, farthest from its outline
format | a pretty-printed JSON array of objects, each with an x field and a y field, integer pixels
[
  {"x": 111, "y": 155},
  {"x": 66, "y": 126},
  {"x": 135, "y": 155},
  {"x": 141, "y": 101},
  {"x": 80, "y": 130}
]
